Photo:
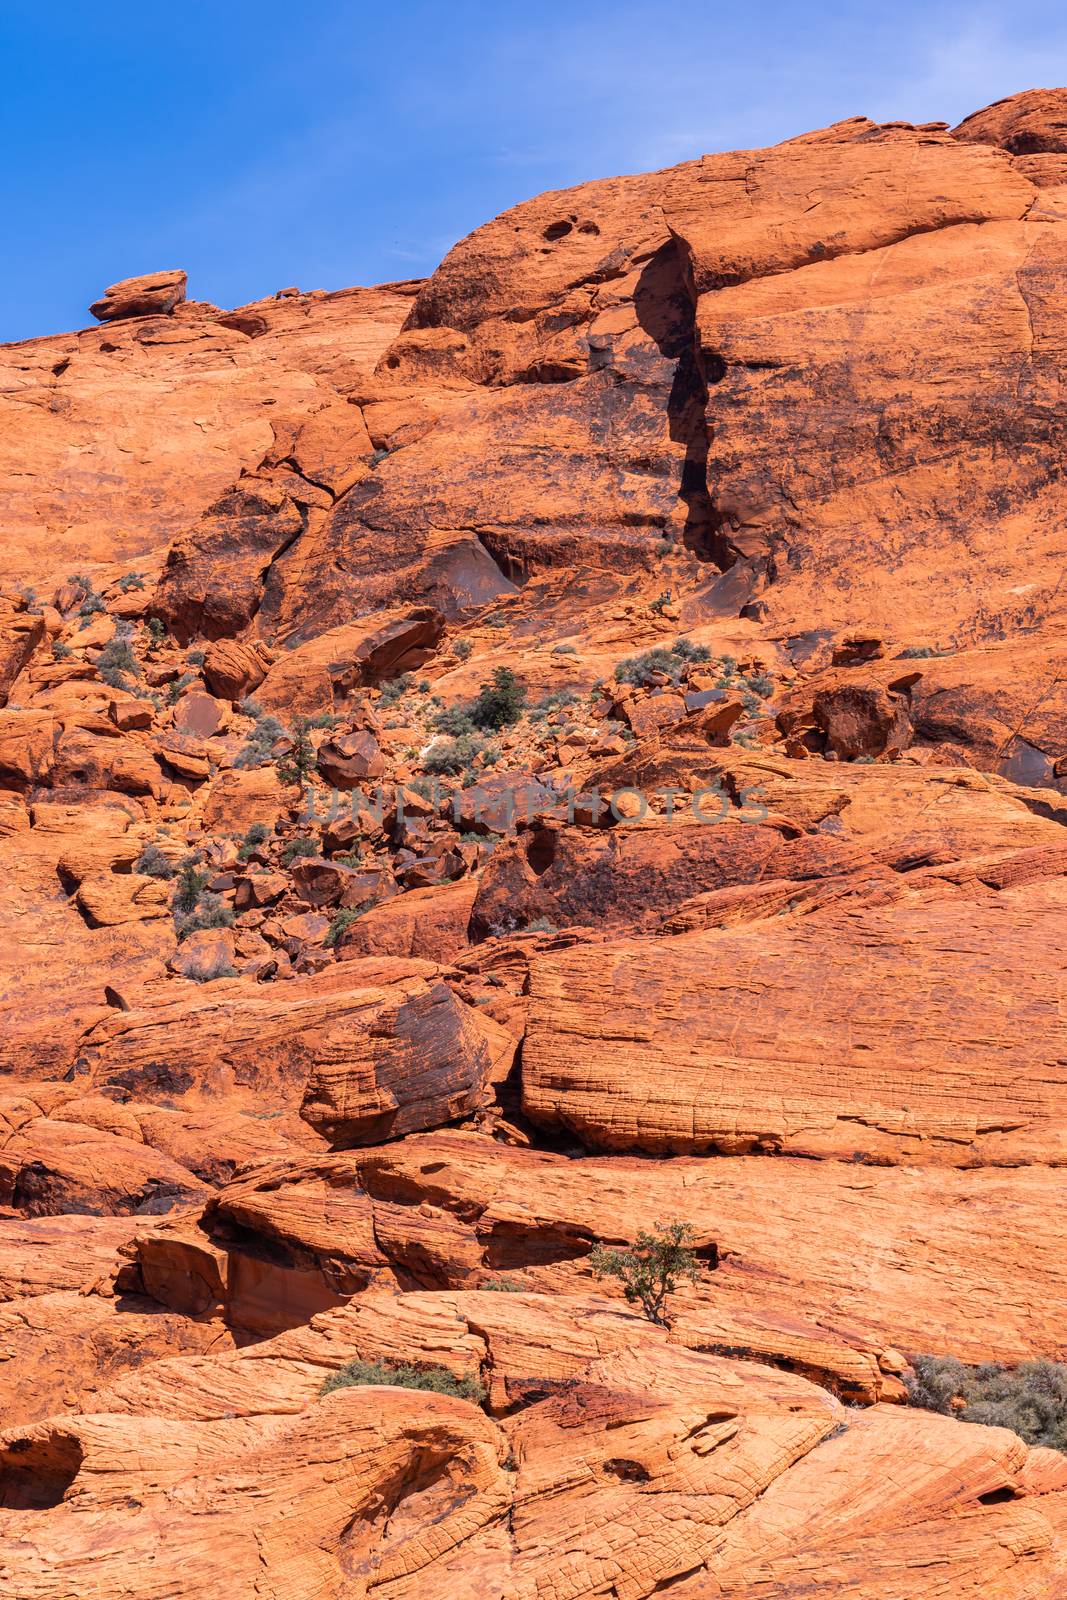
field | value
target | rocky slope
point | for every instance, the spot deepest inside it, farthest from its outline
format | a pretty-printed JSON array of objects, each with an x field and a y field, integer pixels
[{"x": 493, "y": 764}]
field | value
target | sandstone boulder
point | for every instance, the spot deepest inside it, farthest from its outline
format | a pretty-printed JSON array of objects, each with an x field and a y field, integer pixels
[{"x": 153, "y": 295}]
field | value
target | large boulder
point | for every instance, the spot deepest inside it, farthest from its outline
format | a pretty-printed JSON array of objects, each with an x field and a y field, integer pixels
[{"x": 155, "y": 294}]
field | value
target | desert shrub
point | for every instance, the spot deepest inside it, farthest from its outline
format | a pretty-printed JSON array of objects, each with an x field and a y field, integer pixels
[
  {"x": 377, "y": 457},
  {"x": 190, "y": 886},
  {"x": 157, "y": 633},
  {"x": 153, "y": 863},
  {"x": 92, "y": 604},
  {"x": 60, "y": 651},
  {"x": 649, "y": 1272},
  {"x": 500, "y": 704},
  {"x": 452, "y": 720},
  {"x": 343, "y": 919},
  {"x": 248, "y": 707},
  {"x": 348, "y": 858},
  {"x": 551, "y": 703},
  {"x": 686, "y": 650},
  {"x": 130, "y": 581},
  {"x": 660, "y": 604},
  {"x": 257, "y": 834},
  {"x": 220, "y": 967},
  {"x": 117, "y": 656},
  {"x": 173, "y": 691},
  {"x": 1030, "y": 1399},
  {"x": 503, "y": 1285},
  {"x": 257, "y": 747},
  {"x": 210, "y": 911},
  {"x": 439, "y": 1380},
  {"x": 642, "y": 669},
  {"x": 395, "y": 689},
  {"x": 462, "y": 648},
  {"x": 292, "y": 848},
  {"x": 564, "y": 650},
  {"x": 451, "y": 755},
  {"x": 540, "y": 925},
  {"x": 196, "y": 658}
]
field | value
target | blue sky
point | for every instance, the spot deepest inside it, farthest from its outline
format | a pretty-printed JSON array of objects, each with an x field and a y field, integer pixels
[{"x": 338, "y": 143}]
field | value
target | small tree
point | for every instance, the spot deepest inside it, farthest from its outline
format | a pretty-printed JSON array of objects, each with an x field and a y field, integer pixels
[
  {"x": 500, "y": 703},
  {"x": 651, "y": 1270},
  {"x": 299, "y": 763}
]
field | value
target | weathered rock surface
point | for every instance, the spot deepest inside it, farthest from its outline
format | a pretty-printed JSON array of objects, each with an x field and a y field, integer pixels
[
  {"x": 823, "y": 1266},
  {"x": 935, "y": 1036},
  {"x": 154, "y": 294},
  {"x": 367, "y": 1050},
  {"x": 116, "y": 439},
  {"x": 491, "y": 765}
]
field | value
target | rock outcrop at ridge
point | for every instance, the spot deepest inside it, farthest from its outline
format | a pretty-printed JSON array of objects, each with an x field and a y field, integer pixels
[{"x": 495, "y": 764}]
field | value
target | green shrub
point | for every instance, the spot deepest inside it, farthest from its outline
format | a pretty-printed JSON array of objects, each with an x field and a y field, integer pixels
[
  {"x": 462, "y": 648},
  {"x": 504, "y": 1285},
  {"x": 452, "y": 755},
  {"x": 218, "y": 968},
  {"x": 686, "y": 650},
  {"x": 117, "y": 656},
  {"x": 249, "y": 707},
  {"x": 131, "y": 580},
  {"x": 1030, "y": 1399},
  {"x": 660, "y": 604},
  {"x": 356, "y": 1374},
  {"x": 157, "y": 633},
  {"x": 257, "y": 748},
  {"x": 642, "y": 669},
  {"x": 343, "y": 919},
  {"x": 540, "y": 925},
  {"x": 60, "y": 651},
  {"x": 195, "y": 658},
  {"x": 500, "y": 704},
  {"x": 649, "y": 1272},
  {"x": 154, "y": 864},
  {"x": 452, "y": 720},
  {"x": 174, "y": 690},
  {"x": 556, "y": 701},
  {"x": 348, "y": 858},
  {"x": 257, "y": 834},
  {"x": 395, "y": 689},
  {"x": 292, "y": 848},
  {"x": 210, "y": 911},
  {"x": 190, "y": 886}
]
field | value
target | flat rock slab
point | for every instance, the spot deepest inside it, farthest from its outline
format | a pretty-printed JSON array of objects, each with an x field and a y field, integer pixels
[{"x": 925, "y": 1033}]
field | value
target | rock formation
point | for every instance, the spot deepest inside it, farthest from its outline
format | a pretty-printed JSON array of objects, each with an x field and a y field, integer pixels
[{"x": 496, "y": 764}]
